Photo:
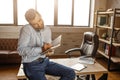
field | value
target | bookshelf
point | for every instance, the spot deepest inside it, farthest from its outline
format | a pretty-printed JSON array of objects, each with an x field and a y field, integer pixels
[{"x": 108, "y": 34}]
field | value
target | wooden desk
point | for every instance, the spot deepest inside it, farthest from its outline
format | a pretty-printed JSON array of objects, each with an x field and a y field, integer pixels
[{"x": 91, "y": 69}]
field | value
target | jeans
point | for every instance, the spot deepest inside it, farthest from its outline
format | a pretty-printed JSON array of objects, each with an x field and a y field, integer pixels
[{"x": 36, "y": 70}]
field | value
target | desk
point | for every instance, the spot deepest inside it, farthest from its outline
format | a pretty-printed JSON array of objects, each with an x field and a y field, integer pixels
[{"x": 91, "y": 69}]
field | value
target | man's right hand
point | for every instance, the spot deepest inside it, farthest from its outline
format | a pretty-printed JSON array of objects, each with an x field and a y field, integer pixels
[{"x": 46, "y": 46}]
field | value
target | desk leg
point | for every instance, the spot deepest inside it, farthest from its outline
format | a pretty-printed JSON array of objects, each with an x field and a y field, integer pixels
[
  {"x": 88, "y": 77},
  {"x": 93, "y": 76},
  {"x": 104, "y": 76}
]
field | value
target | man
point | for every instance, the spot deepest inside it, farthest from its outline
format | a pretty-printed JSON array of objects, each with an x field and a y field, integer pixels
[{"x": 34, "y": 39}]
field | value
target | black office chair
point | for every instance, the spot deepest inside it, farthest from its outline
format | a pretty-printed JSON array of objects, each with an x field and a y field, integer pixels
[{"x": 87, "y": 49}]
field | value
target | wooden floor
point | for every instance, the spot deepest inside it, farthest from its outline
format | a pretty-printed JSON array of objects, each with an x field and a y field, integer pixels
[{"x": 9, "y": 72}]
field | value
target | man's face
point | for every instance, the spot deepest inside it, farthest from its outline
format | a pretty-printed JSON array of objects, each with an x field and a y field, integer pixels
[{"x": 37, "y": 23}]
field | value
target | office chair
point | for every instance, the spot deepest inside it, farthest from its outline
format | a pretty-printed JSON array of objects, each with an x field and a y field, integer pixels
[
  {"x": 88, "y": 48},
  {"x": 89, "y": 45}
]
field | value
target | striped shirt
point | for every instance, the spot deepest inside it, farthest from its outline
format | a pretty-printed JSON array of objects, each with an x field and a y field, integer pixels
[{"x": 31, "y": 41}]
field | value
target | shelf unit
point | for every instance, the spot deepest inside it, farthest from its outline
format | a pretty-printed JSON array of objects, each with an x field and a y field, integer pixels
[{"x": 107, "y": 26}]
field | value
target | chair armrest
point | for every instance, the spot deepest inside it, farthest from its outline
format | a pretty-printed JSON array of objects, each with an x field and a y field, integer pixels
[{"x": 71, "y": 50}]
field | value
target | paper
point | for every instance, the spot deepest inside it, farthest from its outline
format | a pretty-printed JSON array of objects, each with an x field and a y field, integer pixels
[
  {"x": 78, "y": 67},
  {"x": 55, "y": 43}
]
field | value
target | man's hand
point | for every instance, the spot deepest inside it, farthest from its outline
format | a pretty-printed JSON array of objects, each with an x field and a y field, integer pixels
[
  {"x": 49, "y": 53},
  {"x": 46, "y": 46}
]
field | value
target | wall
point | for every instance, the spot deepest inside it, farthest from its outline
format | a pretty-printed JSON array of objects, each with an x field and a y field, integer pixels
[
  {"x": 113, "y": 4},
  {"x": 72, "y": 37},
  {"x": 100, "y": 4}
]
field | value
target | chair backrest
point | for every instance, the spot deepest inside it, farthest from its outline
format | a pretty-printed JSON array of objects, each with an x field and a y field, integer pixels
[{"x": 89, "y": 44}]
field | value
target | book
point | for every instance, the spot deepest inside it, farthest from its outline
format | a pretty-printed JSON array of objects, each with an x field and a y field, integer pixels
[
  {"x": 78, "y": 67},
  {"x": 55, "y": 43},
  {"x": 107, "y": 50}
]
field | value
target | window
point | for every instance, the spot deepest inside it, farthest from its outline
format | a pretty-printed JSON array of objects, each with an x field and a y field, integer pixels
[
  {"x": 54, "y": 12},
  {"x": 64, "y": 12},
  {"x": 21, "y": 11},
  {"x": 6, "y": 12},
  {"x": 81, "y": 12},
  {"x": 46, "y": 8}
]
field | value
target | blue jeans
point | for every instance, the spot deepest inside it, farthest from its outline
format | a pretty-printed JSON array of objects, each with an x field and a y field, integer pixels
[{"x": 36, "y": 70}]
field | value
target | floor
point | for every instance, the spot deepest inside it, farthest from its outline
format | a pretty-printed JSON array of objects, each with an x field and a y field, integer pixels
[{"x": 9, "y": 72}]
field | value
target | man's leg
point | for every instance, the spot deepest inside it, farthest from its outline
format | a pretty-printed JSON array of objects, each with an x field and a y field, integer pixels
[
  {"x": 64, "y": 72},
  {"x": 35, "y": 70}
]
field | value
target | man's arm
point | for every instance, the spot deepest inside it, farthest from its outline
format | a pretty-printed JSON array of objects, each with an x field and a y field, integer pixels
[{"x": 23, "y": 44}]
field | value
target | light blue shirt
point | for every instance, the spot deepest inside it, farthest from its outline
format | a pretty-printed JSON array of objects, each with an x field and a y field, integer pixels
[{"x": 31, "y": 41}]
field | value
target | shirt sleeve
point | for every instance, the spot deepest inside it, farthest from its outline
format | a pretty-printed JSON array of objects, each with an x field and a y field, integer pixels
[{"x": 23, "y": 44}]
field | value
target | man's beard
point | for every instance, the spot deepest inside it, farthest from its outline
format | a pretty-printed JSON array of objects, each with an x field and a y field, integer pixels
[{"x": 39, "y": 28}]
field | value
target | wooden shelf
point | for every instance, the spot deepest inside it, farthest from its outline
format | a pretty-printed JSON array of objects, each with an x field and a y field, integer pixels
[
  {"x": 114, "y": 59},
  {"x": 102, "y": 53},
  {"x": 108, "y": 27},
  {"x": 116, "y": 44},
  {"x": 108, "y": 42},
  {"x": 118, "y": 29},
  {"x": 108, "y": 12},
  {"x": 105, "y": 26},
  {"x": 105, "y": 12},
  {"x": 105, "y": 41}
]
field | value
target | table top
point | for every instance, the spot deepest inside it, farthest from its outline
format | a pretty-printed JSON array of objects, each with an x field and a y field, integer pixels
[{"x": 90, "y": 69}]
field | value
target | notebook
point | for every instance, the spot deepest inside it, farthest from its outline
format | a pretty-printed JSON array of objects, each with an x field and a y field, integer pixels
[{"x": 78, "y": 67}]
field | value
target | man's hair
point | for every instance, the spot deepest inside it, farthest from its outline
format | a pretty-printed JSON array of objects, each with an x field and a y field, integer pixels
[{"x": 31, "y": 14}]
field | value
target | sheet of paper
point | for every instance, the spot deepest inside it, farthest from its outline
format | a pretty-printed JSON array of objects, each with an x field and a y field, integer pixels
[
  {"x": 78, "y": 66},
  {"x": 56, "y": 42}
]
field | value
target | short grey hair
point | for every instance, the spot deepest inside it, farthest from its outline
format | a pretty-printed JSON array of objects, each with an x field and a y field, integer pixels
[{"x": 31, "y": 14}]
